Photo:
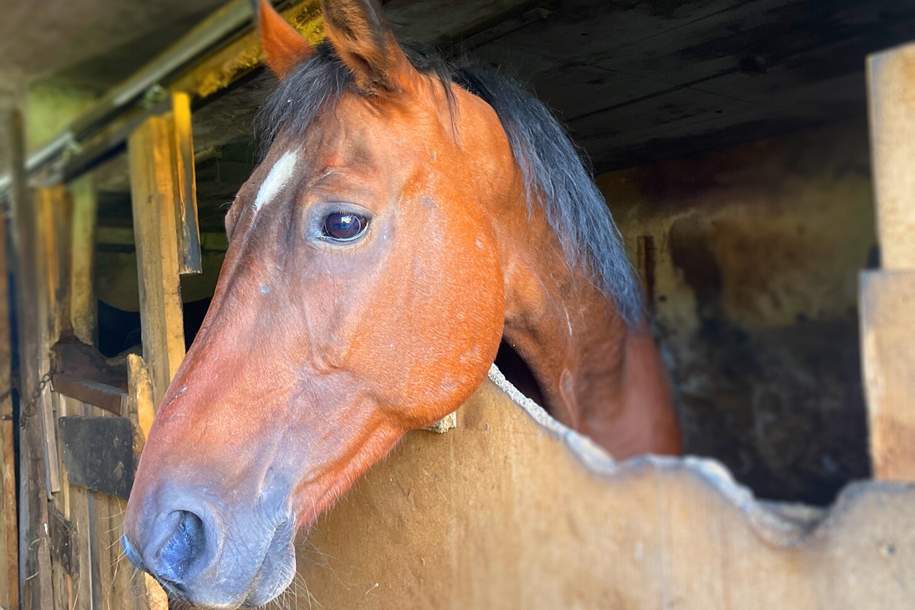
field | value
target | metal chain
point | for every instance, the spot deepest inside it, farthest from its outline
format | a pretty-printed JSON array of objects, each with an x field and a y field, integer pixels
[{"x": 27, "y": 407}]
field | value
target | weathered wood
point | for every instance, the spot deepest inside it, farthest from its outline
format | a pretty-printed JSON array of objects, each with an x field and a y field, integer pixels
[
  {"x": 190, "y": 258},
  {"x": 81, "y": 372},
  {"x": 888, "y": 297},
  {"x": 35, "y": 577},
  {"x": 887, "y": 303},
  {"x": 102, "y": 395},
  {"x": 891, "y": 97},
  {"x": 511, "y": 511},
  {"x": 153, "y": 193},
  {"x": 98, "y": 453},
  {"x": 82, "y": 248},
  {"x": 9, "y": 551},
  {"x": 141, "y": 407},
  {"x": 83, "y": 594}
]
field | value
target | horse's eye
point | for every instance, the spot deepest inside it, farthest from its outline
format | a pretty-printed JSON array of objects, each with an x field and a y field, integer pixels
[{"x": 344, "y": 226}]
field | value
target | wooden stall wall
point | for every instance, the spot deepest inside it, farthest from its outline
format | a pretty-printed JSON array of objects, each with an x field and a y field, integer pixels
[
  {"x": 751, "y": 257},
  {"x": 509, "y": 511}
]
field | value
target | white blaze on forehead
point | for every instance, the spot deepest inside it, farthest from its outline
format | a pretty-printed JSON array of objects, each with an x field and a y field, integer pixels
[{"x": 279, "y": 176}]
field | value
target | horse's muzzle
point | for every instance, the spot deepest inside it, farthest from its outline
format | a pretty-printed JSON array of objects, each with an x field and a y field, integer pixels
[{"x": 181, "y": 540}]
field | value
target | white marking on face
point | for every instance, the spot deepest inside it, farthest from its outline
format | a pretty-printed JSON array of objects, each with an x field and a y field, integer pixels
[{"x": 277, "y": 179}]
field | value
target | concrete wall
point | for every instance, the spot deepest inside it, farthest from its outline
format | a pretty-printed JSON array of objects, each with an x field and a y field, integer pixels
[{"x": 751, "y": 258}]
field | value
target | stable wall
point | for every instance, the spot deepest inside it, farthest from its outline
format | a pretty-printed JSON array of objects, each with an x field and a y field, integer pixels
[
  {"x": 751, "y": 257},
  {"x": 511, "y": 510}
]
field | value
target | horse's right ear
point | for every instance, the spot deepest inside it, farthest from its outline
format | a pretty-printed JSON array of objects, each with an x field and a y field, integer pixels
[{"x": 284, "y": 47}]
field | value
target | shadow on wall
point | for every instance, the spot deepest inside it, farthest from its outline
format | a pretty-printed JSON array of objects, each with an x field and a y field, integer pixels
[{"x": 751, "y": 258}]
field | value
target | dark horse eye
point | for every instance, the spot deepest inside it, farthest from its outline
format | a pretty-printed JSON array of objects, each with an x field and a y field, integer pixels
[{"x": 344, "y": 226}]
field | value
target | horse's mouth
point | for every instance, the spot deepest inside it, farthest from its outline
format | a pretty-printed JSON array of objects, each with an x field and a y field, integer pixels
[{"x": 277, "y": 569}]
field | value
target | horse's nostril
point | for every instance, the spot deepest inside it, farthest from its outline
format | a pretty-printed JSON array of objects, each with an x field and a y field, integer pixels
[{"x": 182, "y": 549}]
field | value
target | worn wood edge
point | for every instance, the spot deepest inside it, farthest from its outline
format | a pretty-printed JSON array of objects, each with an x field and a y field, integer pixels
[
  {"x": 776, "y": 523},
  {"x": 886, "y": 355},
  {"x": 890, "y": 85}
]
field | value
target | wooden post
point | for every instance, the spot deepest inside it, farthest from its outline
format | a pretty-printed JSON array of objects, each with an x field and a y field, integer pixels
[
  {"x": 82, "y": 247},
  {"x": 35, "y": 582},
  {"x": 153, "y": 193},
  {"x": 9, "y": 551},
  {"x": 888, "y": 295},
  {"x": 190, "y": 258}
]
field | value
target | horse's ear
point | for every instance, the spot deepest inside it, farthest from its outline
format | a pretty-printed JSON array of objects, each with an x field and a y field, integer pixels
[
  {"x": 364, "y": 41},
  {"x": 284, "y": 47}
]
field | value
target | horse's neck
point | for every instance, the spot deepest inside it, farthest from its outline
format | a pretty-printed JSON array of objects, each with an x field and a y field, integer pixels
[{"x": 597, "y": 375}]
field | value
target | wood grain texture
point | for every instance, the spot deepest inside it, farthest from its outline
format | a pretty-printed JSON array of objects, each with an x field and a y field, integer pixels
[
  {"x": 189, "y": 254},
  {"x": 891, "y": 95},
  {"x": 36, "y": 587},
  {"x": 504, "y": 513},
  {"x": 153, "y": 193},
  {"x": 82, "y": 258},
  {"x": 9, "y": 546},
  {"x": 888, "y": 355}
]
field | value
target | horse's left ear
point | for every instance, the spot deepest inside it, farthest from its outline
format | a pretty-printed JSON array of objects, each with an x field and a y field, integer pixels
[
  {"x": 364, "y": 41},
  {"x": 284, "y": 47}
]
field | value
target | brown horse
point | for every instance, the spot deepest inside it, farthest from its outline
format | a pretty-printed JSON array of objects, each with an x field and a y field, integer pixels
[{"x": 406, "y": 218}]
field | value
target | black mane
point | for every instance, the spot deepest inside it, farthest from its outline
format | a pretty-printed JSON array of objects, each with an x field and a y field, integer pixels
[{"x": 554, "y": 173}]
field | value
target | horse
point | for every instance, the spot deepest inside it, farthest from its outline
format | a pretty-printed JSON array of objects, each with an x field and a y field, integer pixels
[{"x": 407, "y": 218}]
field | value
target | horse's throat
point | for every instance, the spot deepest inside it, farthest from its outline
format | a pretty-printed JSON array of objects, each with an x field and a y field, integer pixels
[{"x": 570, "y": 339}]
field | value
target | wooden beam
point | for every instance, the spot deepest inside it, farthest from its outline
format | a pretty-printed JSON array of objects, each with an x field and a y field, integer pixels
[
  {"x": 35, "y": 578},
  {"x": 82, "y": 248},
  {"x": 888, "y": 296},
  {"x": 9, "y": 551},
  {"x": 153, "y": 193}
]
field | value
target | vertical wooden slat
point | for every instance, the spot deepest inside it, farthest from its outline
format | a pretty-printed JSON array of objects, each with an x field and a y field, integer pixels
[
  {"x": 190, "y": 259},
  {"x": 9, "y": 552},
  {"x": 35, "y": 578},
  {"x": 153, "y": 193},
  {"x": 52, "y": 208},
  {"x": 82, "y": 246},
  {"x": 888, "y": 296},
  {"x": 80, "y": 503}
]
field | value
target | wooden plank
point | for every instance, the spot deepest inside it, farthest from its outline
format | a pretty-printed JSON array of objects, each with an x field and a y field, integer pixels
[
  {"x": 153, "y": 194},
  {"x": 891, "y": 91},
  {"x": 83, "y": 590},
  {"x": 9, "y": 551},
  {"x": 512, "y": 511},
  {"x": 35, "y": 578},
  {"x": 98, "y": 453},
  {"x": 52, "y": 207},
  {"x": 888, "y": 360},
  {"x": 82, "y": 247},
  {"x": 190, "y": 258},
  {"x": 81, "y": 372},
  {"x": 102, "y": 395},
  {"x": 141, "y": 406},
  {"x": 888, "y": 297}
]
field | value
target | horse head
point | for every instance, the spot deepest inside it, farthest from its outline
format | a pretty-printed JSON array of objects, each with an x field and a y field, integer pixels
[
  {"x": 405, "y": 218},
  {"x": 361, "y": 297}
]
